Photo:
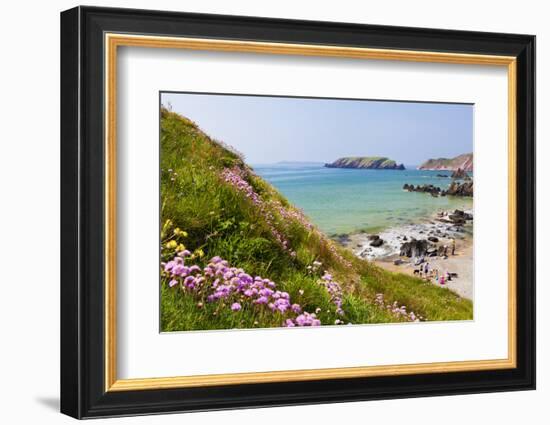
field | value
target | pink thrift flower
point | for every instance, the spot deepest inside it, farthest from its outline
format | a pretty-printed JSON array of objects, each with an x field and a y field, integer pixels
[{"x": 261, "y": 300}]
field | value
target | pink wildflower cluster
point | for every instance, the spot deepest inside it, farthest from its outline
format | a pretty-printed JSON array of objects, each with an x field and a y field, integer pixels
[
  {"x": 334, "y": 290},
  {"x": 235, "y": 177},
  {"x": 304, "y": 319},
  {"x": 292, "y": 214},
  {"x": 336, "y": 254},
  {"x": 217, "y": 281},
  {"x": 396, "y": 310}
]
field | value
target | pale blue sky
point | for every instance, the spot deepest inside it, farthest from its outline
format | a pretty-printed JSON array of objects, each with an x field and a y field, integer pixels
[{"x": 273, "y": 129}]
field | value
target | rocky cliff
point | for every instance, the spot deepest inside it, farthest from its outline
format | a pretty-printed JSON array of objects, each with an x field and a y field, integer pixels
[
  {"x": 464, "y": 162},
  {"x": 366, "y": 162}
]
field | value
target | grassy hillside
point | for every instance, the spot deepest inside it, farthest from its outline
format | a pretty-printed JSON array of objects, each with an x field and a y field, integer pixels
[{"x": 236, "y": 254}]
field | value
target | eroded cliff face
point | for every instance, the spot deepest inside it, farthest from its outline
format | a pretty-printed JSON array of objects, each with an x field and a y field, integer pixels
[
  {"x": 366, "y": 162},
  {"x": 464, "y": 162}
]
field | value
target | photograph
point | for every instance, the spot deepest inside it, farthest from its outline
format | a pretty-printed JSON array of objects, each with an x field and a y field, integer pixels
[{"x": 280, "y": 211}]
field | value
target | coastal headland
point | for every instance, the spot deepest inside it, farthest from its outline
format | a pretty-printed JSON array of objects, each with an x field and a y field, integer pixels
[{"x": 464, "y": 162}]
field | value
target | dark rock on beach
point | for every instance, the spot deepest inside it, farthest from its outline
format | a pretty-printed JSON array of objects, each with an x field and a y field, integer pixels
[
  {"x": 463, "y": 214},
  {"x": 433, "y": 239},
  {"x": 457, "y": 219},
  {"x": 414, "y": 248},
  {"x": 431, "y": 252},
  {"x": 377, "y": 242}
]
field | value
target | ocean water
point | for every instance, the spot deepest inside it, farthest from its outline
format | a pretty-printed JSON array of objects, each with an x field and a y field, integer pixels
[{"x": 348, "y": 200}]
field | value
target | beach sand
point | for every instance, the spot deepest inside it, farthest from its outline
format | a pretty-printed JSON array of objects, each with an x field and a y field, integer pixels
[
  {"x": 384, "y": 256},
  {"x": 460, "y": 263}
]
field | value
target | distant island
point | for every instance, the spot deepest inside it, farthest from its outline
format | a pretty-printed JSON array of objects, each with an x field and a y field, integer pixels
[
  {"x": 464, "y": 162},
  {"x": 366, "y": 162}
]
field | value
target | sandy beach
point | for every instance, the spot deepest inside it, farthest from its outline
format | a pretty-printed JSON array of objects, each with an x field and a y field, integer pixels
[
  {"x": 460, "y": 263},
  {"x": 441, "y": 232}
]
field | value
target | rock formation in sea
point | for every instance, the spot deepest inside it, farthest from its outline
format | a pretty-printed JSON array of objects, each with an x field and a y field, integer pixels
[
  {"x": 464, "y": 162},
  {"x": 461, "y": 189},
  {"x": 455, "y": 189},
  {"x": 366, "y": 162},
  {"x": 425, "y": 188},
  {"x": 460, "y": 174}
]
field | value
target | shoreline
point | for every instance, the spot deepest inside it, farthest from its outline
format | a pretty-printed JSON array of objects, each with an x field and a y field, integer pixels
[{"x": 441, "y": 230}]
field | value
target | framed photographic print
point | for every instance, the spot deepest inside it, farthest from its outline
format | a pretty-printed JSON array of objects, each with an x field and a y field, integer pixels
[{"x": 261, "y": 212}]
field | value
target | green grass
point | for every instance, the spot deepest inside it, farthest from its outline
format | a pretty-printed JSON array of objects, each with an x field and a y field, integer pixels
[
  {"x": 221, "y": 221},
  {"x": 424, "y": 298}
]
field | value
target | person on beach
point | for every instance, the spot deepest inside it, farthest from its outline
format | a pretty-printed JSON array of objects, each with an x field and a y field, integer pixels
[
  {"x": 442, "y": 280},
  {"x": 436, "y": 275},
  {"x": 453, "y": 246}
]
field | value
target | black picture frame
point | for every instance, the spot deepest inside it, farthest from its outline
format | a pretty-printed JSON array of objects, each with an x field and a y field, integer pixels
[{"x": 82, "y": 219}]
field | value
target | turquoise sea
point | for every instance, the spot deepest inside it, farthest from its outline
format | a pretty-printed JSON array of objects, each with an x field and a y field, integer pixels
[{"x": 348, "y": 200}]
